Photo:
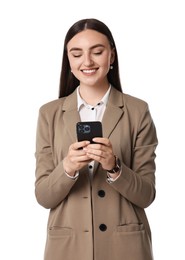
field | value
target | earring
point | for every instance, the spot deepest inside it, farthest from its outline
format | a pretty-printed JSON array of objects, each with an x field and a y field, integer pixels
[{"x": 111, "y": 67}]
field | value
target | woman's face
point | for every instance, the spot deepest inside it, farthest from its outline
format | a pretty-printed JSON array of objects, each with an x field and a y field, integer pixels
[{"x": 90, "y": 56}]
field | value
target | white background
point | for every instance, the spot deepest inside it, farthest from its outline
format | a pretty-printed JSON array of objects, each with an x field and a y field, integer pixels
[{"x": 150, "y": 37}]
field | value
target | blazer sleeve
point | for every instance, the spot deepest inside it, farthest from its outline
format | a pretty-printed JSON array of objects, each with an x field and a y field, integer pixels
[
  {"x": 52, "y": 184},
  {"x": 137, "y": 183}
]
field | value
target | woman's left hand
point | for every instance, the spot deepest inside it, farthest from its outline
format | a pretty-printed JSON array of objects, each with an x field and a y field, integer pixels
[{"x": 102, "y": 152}]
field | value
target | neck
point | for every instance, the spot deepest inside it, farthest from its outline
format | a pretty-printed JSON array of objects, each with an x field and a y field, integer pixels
[{"x": 93, "y": 94}]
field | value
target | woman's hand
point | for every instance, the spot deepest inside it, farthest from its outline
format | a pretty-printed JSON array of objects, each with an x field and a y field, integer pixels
[
  {"x": 102, "y": 152},
  {"x": 76, "y": 158}
]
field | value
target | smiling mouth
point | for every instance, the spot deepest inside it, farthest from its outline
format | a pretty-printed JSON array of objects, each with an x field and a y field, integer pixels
[{"x": 89, "y": 71}]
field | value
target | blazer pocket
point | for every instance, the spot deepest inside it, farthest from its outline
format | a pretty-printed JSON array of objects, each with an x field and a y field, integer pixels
[
  {"x": 131, "y": 242},
  {"x": 130, "y": 228},
  {"x": 59, "y": 232}
]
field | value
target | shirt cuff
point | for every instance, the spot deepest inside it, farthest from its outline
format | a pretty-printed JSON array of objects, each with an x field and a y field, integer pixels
[{"x": 73, "y": 177}]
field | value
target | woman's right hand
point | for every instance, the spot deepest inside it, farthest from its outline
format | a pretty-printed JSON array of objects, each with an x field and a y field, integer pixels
[{"x": 76, "y": 158}]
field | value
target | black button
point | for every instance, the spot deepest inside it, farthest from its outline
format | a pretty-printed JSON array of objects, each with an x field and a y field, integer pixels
[
  {"x": 103, "y": 227},
  {"x": 90, "y": 166},
  {"x": 101, "y": 193},
  {"x": 92, "y": 108}
]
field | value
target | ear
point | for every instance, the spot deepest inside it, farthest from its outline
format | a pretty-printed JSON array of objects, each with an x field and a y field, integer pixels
[{"x": 112, "y": 56}]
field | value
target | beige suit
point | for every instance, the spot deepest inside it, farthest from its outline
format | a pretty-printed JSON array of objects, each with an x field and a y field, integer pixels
[{"x": 101, "y": 221}]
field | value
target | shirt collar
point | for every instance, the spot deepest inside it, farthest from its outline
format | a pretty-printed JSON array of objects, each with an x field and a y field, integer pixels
[{"x": 82, "y": 102}]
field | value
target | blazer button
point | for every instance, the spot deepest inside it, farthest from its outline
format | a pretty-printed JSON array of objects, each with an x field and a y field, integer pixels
[
  {"x": 101, "y": 193},
  {"x": 103, "y": 227}
]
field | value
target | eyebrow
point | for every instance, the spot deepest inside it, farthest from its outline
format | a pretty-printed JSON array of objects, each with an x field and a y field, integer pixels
[{"x": 92, "y": 47}]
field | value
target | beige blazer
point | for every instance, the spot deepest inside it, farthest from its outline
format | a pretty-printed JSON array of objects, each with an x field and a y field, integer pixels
[{"x": 98, "y": 220}]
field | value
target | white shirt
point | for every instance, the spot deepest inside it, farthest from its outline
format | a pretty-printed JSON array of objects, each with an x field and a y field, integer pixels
[{"x": 92, "y": 113}]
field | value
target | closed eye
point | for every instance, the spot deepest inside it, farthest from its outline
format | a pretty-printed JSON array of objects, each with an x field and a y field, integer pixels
[
  {"x": 76, "y": 55},
  {"x": 98, "y": 53}
]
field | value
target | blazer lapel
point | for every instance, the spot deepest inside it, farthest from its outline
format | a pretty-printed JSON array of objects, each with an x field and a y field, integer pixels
[
  {"x": 114, "y": 111},
  {"x": 71, "y": 114}
]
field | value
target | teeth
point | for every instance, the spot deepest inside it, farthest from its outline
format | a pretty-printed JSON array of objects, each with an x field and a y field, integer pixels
[{"x": 89, "y": 71}]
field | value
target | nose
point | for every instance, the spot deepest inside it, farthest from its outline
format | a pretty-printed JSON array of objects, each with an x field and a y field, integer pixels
[{"x": 88, "y": 60}]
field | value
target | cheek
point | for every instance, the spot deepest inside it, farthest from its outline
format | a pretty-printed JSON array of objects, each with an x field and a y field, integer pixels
[
  {"x": 106, "y": 60},
  {"x": 74, "y": 63},
  {"x": 106, "y": 64},
  {"x": 74, "y": 66}
]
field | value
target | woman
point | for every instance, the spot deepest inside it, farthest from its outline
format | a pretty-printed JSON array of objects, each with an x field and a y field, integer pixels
[{"x": 96, "y": 194}]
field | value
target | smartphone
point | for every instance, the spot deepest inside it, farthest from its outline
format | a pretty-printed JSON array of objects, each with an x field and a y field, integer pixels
[{"x": 88, "y": 130}]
